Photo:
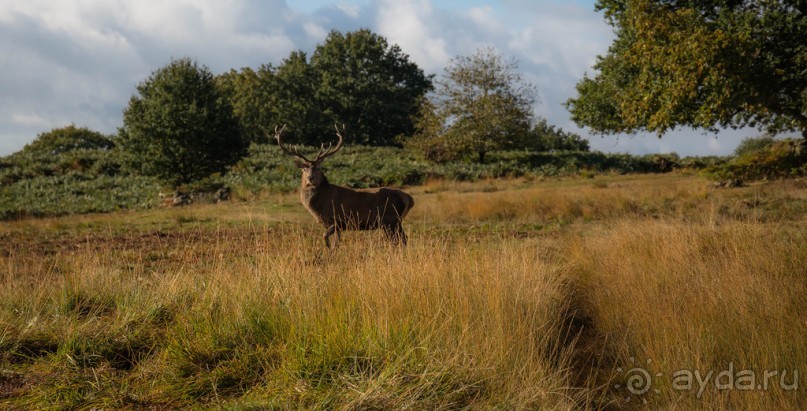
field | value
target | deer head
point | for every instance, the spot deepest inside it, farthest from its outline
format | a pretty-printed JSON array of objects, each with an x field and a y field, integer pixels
[{"x": 312, "y": 173}]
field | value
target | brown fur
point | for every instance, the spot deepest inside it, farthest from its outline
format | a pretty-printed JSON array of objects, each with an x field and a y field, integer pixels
[{"x": 341, "y": 208}]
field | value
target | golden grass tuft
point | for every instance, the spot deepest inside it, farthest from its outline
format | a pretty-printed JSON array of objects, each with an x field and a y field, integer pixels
[{"x": 703, "y": 298}]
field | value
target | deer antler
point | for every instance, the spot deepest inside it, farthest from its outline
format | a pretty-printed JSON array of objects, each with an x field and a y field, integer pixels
[
  {"x": 323, "y": 152},
  {"x": 293, "y": 151}
]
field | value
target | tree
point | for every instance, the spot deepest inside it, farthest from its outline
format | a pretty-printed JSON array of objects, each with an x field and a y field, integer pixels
[
  {"x": 296, "y": 103},
  {"x": 369, "y": 86},
  {"x": 179, "y": 127},
  {"x": 546, "y": 137},
  {"x": 69, "y": 138},
  {"x": 481, "y": 104},
  {"x": 704, "y": 64},
  {"x": 249, "y": 93}
]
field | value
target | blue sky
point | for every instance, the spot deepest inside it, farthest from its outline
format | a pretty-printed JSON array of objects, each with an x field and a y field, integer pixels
[{"x": 78, "y": 61}]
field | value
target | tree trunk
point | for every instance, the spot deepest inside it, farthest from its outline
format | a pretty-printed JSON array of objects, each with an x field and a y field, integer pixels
[{"x": 481, "y": 157}]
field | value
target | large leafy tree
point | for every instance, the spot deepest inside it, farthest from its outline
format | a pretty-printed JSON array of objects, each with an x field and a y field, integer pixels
[
  {"x": 369, "y": 86},
  {"x": 179, "y": 126},
  {"x": 481, "y": 104},
  {"x": 704, "y": 64}
]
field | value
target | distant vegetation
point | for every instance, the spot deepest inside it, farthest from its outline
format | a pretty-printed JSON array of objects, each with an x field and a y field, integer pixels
[
  {"x": 765, "y": 158},
  {"x": 74, "y": 171},
  {"x": 357, "y": 79},
  {"x": 76, "y": 179},
  {"x": 180, "y": 127}
]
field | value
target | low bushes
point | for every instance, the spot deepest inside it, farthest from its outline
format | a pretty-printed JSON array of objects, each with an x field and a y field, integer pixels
[
  {"x": 777, "y": 159},
  {"x": 94, "y": 180}
]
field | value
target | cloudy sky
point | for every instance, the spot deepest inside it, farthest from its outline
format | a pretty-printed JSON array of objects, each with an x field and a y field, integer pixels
[{"x": 78, "y": 61}]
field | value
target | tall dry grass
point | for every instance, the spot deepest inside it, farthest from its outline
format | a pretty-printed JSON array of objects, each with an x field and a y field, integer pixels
[
  {"x": 676, "y": 299},
  {"x": 266, "y": 317},
  {"x": 522, "y": 296},
  {"x": 581, "y": 199}
]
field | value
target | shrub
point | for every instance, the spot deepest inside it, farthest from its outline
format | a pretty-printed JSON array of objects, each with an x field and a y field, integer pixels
[
  {"x": 753, "y": 144},
  {"x": 779, "y": 159},
  {"x": 66, "y": 139}
]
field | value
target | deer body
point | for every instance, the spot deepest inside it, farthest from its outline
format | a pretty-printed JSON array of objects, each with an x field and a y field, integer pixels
[{"x": 341, "y": 208}]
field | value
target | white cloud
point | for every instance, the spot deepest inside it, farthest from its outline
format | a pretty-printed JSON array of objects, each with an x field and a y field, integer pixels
[
  {"x": 28, "y": 119},
  {"x": 350, "y": 10},
  {"x": 413, "y": 25},
  {"x": 484, "y": 19},
  {"x": 78, "y": 61}
]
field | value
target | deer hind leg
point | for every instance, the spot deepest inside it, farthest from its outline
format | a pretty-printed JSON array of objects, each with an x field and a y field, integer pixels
[
  {"x": 400, "y": 235},
  {"x": 395, "y": 234},
  {"x": 330, "y": 231}
]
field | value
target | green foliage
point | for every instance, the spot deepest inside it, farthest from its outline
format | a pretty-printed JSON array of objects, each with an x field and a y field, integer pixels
[
  {"x": 86, "y": 181},
  {"x": 76, "y": 193},
  {"x": 698, "y": 64},
  {"x": 546, "y": 137},
  {"x": 41, "y": 180},
  {"x": 753, "y": 144},
  {"x": 65, "y": 139},
  {"x": 369, "y": 86},
  {"x": 296, "y": 103},
  {"x": 250, "y": 95},
  {"x": 779, "y": 159},
  {"x": 267, "y": 168},
  {"x": 355, "y": 79},
  {"x": 481, "y": 104},
  {"x": 179, "y": 127},
  {"x": 28, "y": 164}
]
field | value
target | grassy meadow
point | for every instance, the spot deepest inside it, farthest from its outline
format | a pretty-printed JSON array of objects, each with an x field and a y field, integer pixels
[{"x": 562, "y": 293}]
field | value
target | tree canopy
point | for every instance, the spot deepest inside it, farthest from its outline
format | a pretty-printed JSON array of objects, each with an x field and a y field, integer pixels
[
  {"x": 179, "y": 127},
  {"x": 296, "y": 102},
  {"x": 704, "y": 64},
  {"x": 356, "y": 79},
  {"x": 369, "y": 86},
  {"x": 481, "y": 104},
  {"x": 249, "y": 94}
]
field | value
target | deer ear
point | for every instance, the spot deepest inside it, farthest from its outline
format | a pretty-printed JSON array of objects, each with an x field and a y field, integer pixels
[{"x": 301, "y": 163}]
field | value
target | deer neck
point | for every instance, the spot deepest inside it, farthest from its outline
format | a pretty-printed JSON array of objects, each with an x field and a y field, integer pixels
[{"x": 310, "y": 193}]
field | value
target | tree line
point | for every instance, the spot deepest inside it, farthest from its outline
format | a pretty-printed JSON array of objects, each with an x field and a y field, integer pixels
[
  {"x": 184, "y": 123},
  {"x": 707, "y": 65}
]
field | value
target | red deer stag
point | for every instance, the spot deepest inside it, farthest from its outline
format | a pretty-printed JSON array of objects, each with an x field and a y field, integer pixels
[{"x": 341, "y": 208}]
